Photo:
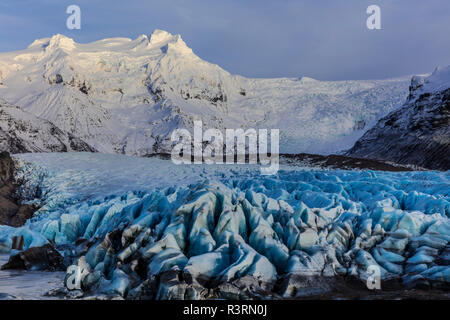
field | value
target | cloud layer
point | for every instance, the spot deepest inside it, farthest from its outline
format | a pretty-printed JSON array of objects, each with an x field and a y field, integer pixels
[{"x": 325, "y": 39}]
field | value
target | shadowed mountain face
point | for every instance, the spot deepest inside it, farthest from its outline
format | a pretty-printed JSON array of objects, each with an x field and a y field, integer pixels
[
  {"x": 419, "y": 132},
  {"x": 22, "y": 132}
]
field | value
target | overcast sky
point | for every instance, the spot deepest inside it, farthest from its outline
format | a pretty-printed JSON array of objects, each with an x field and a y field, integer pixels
[{"x": 323, "y": 39}]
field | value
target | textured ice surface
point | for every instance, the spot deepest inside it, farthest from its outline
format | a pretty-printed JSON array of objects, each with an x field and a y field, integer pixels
[{"x": 225, "y": 222}]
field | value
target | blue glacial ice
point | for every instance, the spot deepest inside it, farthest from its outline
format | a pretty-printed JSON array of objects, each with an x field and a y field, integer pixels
[{"x": 226, "y": 222}]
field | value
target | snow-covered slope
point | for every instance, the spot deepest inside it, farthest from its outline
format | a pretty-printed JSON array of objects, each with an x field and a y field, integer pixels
[
  {"x": 127, "y": 96},
  {"x": 21, "y": 131},
  {"x": 419, "y": 132}
]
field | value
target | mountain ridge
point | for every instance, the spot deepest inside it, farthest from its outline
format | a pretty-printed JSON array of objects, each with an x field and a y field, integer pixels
[
  {"x": 126, "y": 96},
  {"x": 419, "y": 132}
]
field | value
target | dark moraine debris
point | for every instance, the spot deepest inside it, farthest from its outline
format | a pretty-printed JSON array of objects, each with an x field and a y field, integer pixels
[
  {"x": 329, "y": 162},
  {"x": 342, "y": 162}
]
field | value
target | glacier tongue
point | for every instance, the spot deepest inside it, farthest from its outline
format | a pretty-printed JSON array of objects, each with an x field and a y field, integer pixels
[{"x": 224, "y": 224}]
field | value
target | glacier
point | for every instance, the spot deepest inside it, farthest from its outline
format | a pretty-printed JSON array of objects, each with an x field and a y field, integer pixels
[{"x": 140, "y": 225}]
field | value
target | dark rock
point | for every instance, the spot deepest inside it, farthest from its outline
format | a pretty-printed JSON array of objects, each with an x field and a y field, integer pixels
[
  {"x": 145, "y": 291},
  {"x": 6, "y": 296},
  {"x": 416, "y": 134},
  {"x": 11, "y": 212},
  {"x": 56, "y": 79},
  {"x": 7, "y": 209},
  {"x": 340, "y": 162},
  {"x": 9, "y": 141},
  {"x": 22, "y": 132},
  {"x": 297, "y": 286},
  {"x": 85, "y": 88},
  {"x": 229, "y": 291},
  {"x": 74, "y": 294},
  {"x": 24, "y": 213},
  {"x": 6, "y": 169},
  {"x": 17, "y": 243},
  {"x": 171, "y": 286},
  {"x": 36, "y": 259},
  {"x": 245, "y": 288},
  {"x": 61, "y": 292},
  {"x": 79, "y": 145}
]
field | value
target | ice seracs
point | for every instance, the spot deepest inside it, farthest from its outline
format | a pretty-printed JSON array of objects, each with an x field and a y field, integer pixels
[{"x": 221, "y": 232}]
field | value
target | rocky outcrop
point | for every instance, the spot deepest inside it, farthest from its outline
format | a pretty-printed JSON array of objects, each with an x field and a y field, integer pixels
[
  {"x": 334, "y": 161},
  {"x": 12, "y": 213},
  {"x": 22, "y": 132},
  {"x": 416, "y": 134},
  {"x": 36, "y": 259}
]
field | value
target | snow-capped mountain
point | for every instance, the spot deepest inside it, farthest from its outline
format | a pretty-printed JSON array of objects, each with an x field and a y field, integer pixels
[
  {"x": 127, "y": 96},
  {"x": 21, "y": 131},
  {"x": 419, "y": 132}
]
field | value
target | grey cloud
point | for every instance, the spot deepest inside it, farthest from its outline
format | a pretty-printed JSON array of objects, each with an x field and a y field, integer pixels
[{"x": 324, "y": 39}]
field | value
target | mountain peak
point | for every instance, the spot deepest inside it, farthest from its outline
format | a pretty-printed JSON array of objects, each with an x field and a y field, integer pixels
[
  {"x": 62, "y": 42},
  {"x": 142, "y": 37},
  {"x": 160, "y": 36},
  {"x": 439, "y": 80},
  {"x": 56, "y": 41},
  {"x": 168, "y": 42}
]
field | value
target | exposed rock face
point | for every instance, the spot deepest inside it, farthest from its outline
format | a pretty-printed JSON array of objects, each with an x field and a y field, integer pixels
[
  {"x": 22, "y": 132},
  {"x": 418, "y": 133},
  {"x": 36, "y": 258},
  {"x": 11, "y": 212}
]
